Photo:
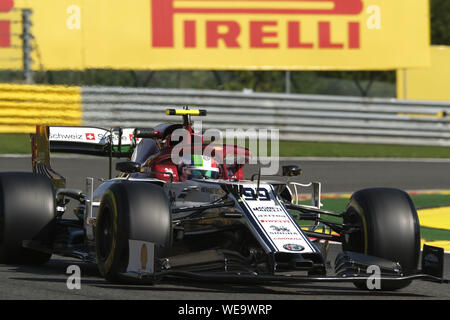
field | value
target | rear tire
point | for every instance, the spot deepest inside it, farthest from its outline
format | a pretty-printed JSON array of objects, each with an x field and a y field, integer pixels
[
  {"x": 27, "y": 205},
  {"x": 130, "y": 210},
  {"x": 389, "y": 229}
]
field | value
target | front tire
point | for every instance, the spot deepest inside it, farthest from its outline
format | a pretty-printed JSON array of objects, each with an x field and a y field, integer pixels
[
  {"x": 130, "y": 210},
  {"x": 388, "y": 228}
]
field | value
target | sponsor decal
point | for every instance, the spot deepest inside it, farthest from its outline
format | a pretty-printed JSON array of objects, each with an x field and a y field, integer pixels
[
  {"x": 268, "y": 209},
  {"x": 293, "y": 247},
  {"x": 5, "y": 25},
  {"x": 90, "y": 136},
  {"x": 76, "y": 134},
  {"x": 272, "y": 216},
  {"x": 241, "y": 34},
  {"x": 141, "y": 257},
  {"x": 275, "y": 221},
  {"x": 279, "y": 229},
  {"x": 263, "y": 28}
]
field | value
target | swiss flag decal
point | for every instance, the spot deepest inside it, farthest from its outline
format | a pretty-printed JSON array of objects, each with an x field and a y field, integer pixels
[{"x": 90, "y": 136}]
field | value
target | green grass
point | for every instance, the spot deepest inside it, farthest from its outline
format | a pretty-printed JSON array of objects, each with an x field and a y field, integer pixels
[
  {"x": 19, "y": 143},
  {"x": 434, "y": 234},
  {"x": 329, "y": 149},
  {"x": 355, "y": 150},
  {"x": 15, "y": 143},
  {"x": 420, "y": 201},
  {"x": 431, "y": 201}
]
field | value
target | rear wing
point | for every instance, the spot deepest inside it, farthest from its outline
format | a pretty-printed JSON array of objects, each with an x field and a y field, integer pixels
[
  {"x": 91, "y": 141},
  {"x": 115, "y": 142}
]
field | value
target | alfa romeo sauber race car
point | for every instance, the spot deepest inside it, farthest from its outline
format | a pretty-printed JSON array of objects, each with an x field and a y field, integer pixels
[{"x": 199, "y": 218}]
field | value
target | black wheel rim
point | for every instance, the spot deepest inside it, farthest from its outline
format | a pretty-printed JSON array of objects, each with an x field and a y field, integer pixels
[{"x": 105, "y": 234}]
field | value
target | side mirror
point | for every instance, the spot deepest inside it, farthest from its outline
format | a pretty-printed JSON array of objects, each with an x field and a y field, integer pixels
[
  {"x": 128, "y": 167},
  {"x": 291, "y": 170}
]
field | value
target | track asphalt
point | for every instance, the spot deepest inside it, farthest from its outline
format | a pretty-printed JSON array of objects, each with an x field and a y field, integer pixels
[{"x": 49, "y": 282}]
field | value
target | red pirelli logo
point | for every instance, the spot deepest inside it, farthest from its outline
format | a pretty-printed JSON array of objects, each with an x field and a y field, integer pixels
[
  {"x": 5, "y": 25},
  {"x": 228, "y": 31}
]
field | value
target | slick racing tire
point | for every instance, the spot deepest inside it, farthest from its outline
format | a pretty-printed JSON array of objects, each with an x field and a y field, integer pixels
[
  {"x": 27, "y": 205},
  {"x": 130, "y": 211},
  {"x": 388, "y": 228}
]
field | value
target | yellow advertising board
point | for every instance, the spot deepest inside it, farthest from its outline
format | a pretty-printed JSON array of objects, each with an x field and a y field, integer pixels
[
  {"x": 431, "y": 83},
  {"x": 10, "y": 41},
  {"x": 230, "y": 34}
]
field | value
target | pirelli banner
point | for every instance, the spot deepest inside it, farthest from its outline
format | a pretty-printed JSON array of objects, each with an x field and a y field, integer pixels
[
  {"x": 231, "y": 34},
  {"x": 430, "y": 83}
]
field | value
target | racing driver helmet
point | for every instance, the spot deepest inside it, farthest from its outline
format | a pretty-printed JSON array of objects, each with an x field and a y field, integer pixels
[{"x": 200, "y": 167}]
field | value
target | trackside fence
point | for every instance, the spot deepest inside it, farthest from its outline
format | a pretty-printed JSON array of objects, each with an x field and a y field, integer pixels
[{"x": 298, "y": 117}]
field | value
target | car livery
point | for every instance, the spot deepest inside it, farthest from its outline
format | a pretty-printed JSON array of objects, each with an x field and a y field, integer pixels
[{"x": 152, "y": 221}]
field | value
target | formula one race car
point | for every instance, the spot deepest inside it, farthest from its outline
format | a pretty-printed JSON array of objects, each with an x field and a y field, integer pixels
[{"x": 198, "y": 217}]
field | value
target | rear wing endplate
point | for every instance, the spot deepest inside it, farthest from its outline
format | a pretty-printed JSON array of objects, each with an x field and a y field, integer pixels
[{"x": 79, "y": 140}]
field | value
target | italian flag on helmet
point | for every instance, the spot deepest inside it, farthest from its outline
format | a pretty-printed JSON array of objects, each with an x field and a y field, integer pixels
[{"x": 199, "y": 166}]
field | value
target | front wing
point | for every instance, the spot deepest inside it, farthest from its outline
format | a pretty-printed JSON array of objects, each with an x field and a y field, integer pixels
[{"x": 350, "y": 268}]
